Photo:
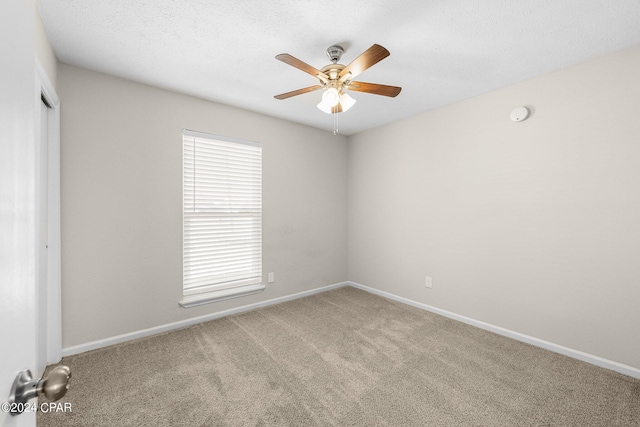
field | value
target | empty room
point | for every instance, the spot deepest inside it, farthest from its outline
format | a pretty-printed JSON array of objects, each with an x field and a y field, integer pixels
[{"x": 299, "y": 213}]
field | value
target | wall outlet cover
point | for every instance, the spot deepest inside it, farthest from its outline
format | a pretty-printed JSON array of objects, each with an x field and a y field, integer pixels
[{"x": 428, "y": 283}]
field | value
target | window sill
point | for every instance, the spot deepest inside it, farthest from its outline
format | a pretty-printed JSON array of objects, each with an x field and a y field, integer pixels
[{"x": 215, "y": 296}]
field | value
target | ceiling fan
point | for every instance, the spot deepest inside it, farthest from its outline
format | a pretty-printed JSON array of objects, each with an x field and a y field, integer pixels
[{"x": 336, "y": 78}]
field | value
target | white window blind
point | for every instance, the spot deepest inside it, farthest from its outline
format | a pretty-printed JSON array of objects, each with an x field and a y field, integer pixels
[{"x": 222, "y": 217}]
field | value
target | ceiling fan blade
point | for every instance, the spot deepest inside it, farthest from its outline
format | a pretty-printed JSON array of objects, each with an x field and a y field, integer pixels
[
  {"x": 297, "y": 92},
  {"x": 295, "y": 62},
  {"x": 369, "y": 57},
  {"x": 374, "y": 88}
]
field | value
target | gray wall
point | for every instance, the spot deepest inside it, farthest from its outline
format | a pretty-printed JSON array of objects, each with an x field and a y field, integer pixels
[
  {"x": 531, "y": 226},
  {"x": 121, "y": 203}
]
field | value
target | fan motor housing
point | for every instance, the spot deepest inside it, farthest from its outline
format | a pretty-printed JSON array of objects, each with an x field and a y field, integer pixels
[{"x": 332, "y": 70}]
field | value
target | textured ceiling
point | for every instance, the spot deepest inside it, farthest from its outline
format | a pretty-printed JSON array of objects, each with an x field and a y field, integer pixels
[{"x": 442, "y": 51}]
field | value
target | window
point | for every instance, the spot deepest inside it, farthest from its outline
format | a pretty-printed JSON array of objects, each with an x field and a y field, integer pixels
[{"x": 222, "y": 218}]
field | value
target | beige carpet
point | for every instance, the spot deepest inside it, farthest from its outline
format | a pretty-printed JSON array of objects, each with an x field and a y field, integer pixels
[{"x": 340, "y": 358}]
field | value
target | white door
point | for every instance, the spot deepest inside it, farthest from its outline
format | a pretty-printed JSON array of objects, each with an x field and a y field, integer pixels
[{"x": 18, "y": 102}]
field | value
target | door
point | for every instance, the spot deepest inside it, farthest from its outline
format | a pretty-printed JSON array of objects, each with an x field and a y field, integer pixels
[{"x": 18, "y": 102}]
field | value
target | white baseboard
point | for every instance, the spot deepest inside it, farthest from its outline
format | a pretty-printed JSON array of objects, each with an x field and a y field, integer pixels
[
  {"x": 93, "y": 345},
  {"x": 576, "y": 354}
]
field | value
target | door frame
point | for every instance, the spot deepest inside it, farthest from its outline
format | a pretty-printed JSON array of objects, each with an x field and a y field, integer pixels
[{"x": 52, "y": 320}]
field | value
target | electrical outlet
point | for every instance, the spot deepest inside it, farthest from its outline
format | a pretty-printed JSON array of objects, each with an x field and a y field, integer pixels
[
  {"x": 428, "y": 283},
  {"x": 271, "y": 277}
]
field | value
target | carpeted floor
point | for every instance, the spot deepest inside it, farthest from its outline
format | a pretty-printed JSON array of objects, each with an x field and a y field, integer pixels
[{"x": 340, "y": 358}]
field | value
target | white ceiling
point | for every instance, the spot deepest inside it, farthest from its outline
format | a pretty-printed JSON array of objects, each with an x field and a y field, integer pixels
[{"x": 442, "y": 51}]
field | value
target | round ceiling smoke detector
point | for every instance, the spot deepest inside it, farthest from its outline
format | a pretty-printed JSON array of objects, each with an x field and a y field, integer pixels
[{"x": 519, "y": 114}]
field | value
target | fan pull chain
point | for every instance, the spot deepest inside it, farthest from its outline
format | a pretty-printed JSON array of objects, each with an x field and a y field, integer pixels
[{"x": 335, "y": 121}]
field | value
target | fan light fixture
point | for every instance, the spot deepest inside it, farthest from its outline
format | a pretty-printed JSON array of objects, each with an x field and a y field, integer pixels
[
  {"x": 333, "y": 102},
  {"x": 346, "y": 102},
  {"x": 331, "y": 97}
]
